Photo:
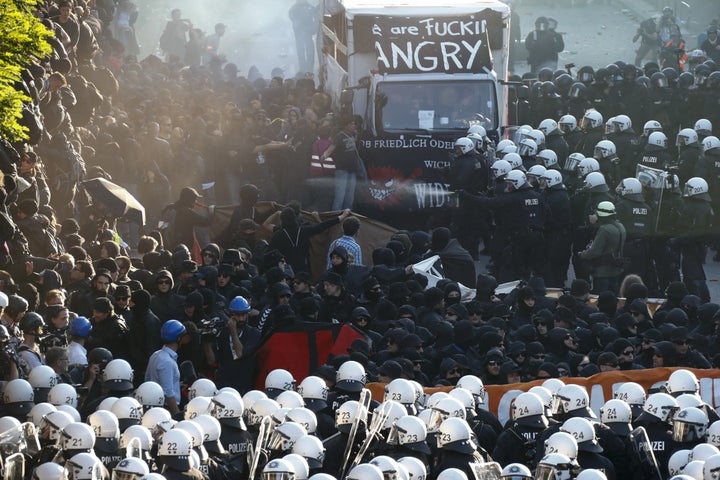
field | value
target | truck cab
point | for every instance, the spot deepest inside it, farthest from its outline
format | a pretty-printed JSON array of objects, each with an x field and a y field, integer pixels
[{"x": 419, "y": 74}]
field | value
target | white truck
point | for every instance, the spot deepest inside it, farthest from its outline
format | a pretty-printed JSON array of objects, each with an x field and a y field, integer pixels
[{"x": 419, "y": 73}]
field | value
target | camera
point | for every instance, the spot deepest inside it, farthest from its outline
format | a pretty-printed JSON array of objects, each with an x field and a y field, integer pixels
[
  {"x": 7, "y": 356},
  {"x": 210, "y": 327},
  {"x": 56, "y": 338}
]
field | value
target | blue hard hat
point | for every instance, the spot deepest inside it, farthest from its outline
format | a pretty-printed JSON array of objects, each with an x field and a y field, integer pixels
[
  {"x": 80, "y": 327},
  {"x": 239, "y": 304},
  {"x": 171, "y": 331}
]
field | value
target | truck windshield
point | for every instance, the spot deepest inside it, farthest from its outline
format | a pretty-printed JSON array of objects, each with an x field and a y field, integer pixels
[{"x": 436, "y": 105}]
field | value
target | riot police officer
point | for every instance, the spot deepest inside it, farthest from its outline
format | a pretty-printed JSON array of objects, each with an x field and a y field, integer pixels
[
  {"x": 689, "y": 150},
  {"x": 637, "y": 218},
  {"x": 592, "y": 126},
  {"x": 557, "y": 227},
  {"x": 626, "y": 144},
  {"x": 697, "y": 221},
  {"x": 656, "y": 419},
  {"x": 524, "y": 214},
  {"x": 554, "y": 138},
  {"x": 656, "y": 154},
  {"x": 628, "y": 97},
  {"x": 517, "y": 442}
]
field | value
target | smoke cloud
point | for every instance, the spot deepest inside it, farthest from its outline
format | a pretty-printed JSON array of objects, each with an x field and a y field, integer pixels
[{"x": 258, "y": 32}]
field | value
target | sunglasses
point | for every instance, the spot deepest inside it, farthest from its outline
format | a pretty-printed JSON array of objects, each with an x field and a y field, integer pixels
[
  {"x": 539, "y": 356},
  {"x": 628, "y": 352},
  {"x": 541, "y": 324},
  {"x": 453, "y": 371},
  {"x": 163, "y": 282},
  {"x": 493, "y": 362}
]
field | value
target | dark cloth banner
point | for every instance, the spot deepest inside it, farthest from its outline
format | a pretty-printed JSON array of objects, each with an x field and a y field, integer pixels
[
  {"x": 301, "y": 348},
  {"x": 373, "y": 234}
]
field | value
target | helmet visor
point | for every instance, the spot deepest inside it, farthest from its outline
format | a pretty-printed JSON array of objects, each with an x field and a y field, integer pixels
[
  {"x": 566, "y": 127},
  {"x": 277, "y": 476},
  {"x": 124, "y": 475},
  {"x": 394, "y": 436},
  {"x": 571, "y": 164},
  {"x": 545, "y": 472},
  {"x": 684, "y": 432},
  {"x": 559, "y": 404},
  {"x": 526, "y": 150},
  {"x": 277, "y": 441},
  {"x": 436, "y": 418}
]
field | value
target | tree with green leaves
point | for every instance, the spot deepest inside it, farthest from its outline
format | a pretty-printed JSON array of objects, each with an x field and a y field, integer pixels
[{"x": 23, "y": 38}]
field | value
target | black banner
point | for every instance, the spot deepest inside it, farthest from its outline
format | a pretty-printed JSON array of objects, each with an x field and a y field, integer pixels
[
  {"x": 448, "y": 44},
  {"x": 406, "y": 173}
]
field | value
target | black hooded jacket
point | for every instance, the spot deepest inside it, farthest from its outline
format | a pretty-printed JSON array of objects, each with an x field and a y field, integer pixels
[
  {"x": 292, "y": 239},
  {"x": 143, "y": 332},
  {"x": 167, "y": 306}
]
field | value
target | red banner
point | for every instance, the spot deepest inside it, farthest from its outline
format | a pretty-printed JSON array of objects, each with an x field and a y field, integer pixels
[{"x": 302, "y": 348}]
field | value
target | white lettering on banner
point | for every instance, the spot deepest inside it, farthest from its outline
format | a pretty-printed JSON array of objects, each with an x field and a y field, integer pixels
[
  {"x": 431, "y": 195},
  {"x": 395, "y": 143},
  {"x": 453, "y": 28},
  {"x": 411, "y": 30},
  {"x": 709, "y": 392},
  {"x": 412, "y": 57},
  {"x": 436, "y": 165},
  {"x": 639, "y": 211},
  {"x": 444, "y": 144}
]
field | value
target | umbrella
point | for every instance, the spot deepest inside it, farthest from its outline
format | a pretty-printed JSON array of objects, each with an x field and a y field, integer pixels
[{"x": 116, "y": 199}]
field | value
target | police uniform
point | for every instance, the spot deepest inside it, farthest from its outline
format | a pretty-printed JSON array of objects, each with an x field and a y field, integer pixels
[
  {"x": 687, "y": 161},
  {"x": 661, "y": 440},
  {"x": 656, "y": 157},
  {"x": 523, "y": 213},
  {"x": 558, "y": 234},
  {"x": 517, "y": 444},
  {"x": 637, "y": 218},
  {"x": 697, "y": 221},
  {"x": 236, "y": 442},
  {"x": 460, "y": 177}
]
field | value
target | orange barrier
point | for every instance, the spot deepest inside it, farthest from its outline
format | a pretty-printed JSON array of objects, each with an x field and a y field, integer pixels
[{"x": 600, "y": 387}]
